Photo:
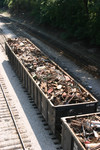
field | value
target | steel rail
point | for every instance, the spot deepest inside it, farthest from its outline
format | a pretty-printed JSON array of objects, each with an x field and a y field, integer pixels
[{"x": 14, "y": 121}]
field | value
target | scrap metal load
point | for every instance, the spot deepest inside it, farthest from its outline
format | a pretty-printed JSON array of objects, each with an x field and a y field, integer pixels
[
  {"x": 59, "y": 87},
  {"x": 86, "y": 129},
  {"x": 54, "y": 91}
]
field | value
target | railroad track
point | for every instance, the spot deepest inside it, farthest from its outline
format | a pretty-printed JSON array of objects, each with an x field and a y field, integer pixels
[
  {"x": 12, "y": 130},
  {"x": 84, "y": 60}
]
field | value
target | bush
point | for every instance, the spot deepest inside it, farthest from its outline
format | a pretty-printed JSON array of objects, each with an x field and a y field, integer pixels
[
  {"x": 79, "y": 18},
  {"x": 94, "y": 22}
]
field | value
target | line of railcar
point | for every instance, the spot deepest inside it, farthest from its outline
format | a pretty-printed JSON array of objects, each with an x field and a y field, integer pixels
[{"x": 54, "y": 98}]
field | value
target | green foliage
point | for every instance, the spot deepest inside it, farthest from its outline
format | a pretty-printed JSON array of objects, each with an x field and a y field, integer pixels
[
  {"x": 79, "y": 18},
  {"x": 35, "y": 10},
  {"x": 46, "y": 11},
  {"x": 94, "y": 21}
]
